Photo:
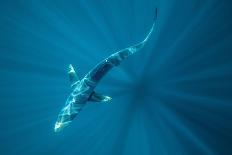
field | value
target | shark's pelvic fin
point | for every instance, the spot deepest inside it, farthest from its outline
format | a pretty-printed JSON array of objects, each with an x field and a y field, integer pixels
[
  {"x": 73, "y": 78},
  {"x": 96, "y": 97}
]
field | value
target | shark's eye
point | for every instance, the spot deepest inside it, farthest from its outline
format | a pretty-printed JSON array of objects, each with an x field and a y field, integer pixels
[
  {"x": 65, "y": 118},
  {"x": 59, "y": 118}
]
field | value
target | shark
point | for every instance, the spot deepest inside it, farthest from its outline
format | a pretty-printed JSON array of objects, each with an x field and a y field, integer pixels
[{"x": 83, "y": 90}]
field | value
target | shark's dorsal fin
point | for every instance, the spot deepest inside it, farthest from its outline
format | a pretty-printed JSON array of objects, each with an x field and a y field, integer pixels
[
  {"x": 96, "y": 97},
  {"x": 73, "y": 78}
]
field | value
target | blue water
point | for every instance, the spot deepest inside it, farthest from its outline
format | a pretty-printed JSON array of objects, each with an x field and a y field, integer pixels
[{"x": 172, "y": 98}]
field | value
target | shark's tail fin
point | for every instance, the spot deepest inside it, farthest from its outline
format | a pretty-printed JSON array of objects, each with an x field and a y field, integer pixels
[
  {"x": 140, "y": 45},
  {"x": 116, "y": 58},
  {"x": 151, "y": 30}
]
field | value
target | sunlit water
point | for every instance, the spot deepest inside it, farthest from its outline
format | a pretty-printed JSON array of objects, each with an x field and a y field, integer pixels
[{"x": 173, "y": 97}]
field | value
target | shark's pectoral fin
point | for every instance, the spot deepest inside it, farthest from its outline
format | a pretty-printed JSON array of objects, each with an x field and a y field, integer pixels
[
  {"x": 73, "y": 78},
  {"x": 96, "y": 97}
]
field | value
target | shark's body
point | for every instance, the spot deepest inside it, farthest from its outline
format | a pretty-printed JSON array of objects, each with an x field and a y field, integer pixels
[{"x": 83, "y": 90}]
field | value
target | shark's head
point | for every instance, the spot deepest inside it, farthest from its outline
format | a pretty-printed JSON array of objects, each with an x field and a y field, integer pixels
[
  {"x": 62, "y": 122},
  {"x": 64, "y": 118},
  {"x": 68, "y": 113}
]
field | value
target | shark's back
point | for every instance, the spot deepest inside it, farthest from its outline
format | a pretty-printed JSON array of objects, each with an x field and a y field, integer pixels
[{"x": 96, "y": 74}]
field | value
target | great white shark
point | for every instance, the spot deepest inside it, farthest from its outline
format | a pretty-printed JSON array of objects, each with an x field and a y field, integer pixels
[{"x": 83, "y": 89}]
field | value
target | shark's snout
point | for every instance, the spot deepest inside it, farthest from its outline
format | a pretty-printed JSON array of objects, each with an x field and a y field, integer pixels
[{"x": 60, "y": 125}]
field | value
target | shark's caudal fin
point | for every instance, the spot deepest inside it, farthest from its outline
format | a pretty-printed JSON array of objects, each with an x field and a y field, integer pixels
[
  {"x": 73, "y": 78},
  {"x": 142, "y": 43},
  {"x": 152, "y": 28},
  {"x": 96, "y": 97},
  {"x": 135, "y": 48}
]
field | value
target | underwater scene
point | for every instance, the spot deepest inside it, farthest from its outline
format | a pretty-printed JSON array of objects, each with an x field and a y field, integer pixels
[{"x": 116, "y": 77}]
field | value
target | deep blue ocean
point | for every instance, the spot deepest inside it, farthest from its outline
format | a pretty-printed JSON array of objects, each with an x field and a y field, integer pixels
[{"x": 174, "y": 97}]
